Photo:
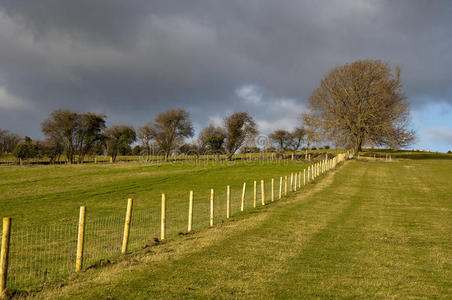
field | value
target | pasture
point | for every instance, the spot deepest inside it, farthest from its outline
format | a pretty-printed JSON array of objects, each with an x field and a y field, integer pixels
[
  {"x": 370, "y": 230},
  {"x": 44, "y": 201},
  {"x": 41, "y": 195}
]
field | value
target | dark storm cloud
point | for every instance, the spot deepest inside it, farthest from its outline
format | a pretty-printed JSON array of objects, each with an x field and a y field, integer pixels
[{"x": 133, "y": 59}]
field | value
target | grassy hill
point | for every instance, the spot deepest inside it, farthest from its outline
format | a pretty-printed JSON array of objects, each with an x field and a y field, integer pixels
[{"x": 371, "y": 229}]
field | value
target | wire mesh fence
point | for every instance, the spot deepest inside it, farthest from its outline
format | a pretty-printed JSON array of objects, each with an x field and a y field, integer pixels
[
  {"x": 41, "y": 254},
  {"x": 46, "y": 253}
]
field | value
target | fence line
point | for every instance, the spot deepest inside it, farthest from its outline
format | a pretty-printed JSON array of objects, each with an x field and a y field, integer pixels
[
  {"x": 159, "y": 157},
  {"x": 35, "y": 255}
]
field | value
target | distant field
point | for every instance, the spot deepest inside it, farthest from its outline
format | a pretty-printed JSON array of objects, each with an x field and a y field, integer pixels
[
  {"x": 39, "y": 195},
  {"x": 406, "y": 154},
  {"x": 10, "y": 159},
  {"x": 373, "y": 230}
]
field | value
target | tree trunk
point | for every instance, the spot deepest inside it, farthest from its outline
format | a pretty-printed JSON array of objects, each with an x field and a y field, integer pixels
[
  {"x": 230, "y": 156},
  {"x": 358, "y": 146}
]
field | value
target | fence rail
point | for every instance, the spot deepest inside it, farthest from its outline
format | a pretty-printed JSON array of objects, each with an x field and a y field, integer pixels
[{"x": 31, "y": 256}]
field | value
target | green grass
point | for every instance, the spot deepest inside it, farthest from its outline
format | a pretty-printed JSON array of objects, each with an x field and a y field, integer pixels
[
  {"x": 405, "y": 154},
  {"x": 373, "y": 230},
  {"x": 44, "y": 201},
  {"x": 10, "y": 159},
  {"x": 39, "y": 195}
]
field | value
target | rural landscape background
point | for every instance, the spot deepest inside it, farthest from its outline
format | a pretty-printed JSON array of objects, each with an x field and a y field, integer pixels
[{"x": 218, "y": 150}]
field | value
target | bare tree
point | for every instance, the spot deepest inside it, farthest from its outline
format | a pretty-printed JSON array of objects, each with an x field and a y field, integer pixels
[
  {"x": 286, "y": 140},
  {"x": 281, "y": 139},
  {"x": 296, "y": 139},
  {"x": 145, "y": 135},
  {"x": 8, "y": 141},
  {"x": 239, "y": 127},
  {"x": 62, "y": 126},
  {"x": 312, "y": 134},
  {"x": 170, "y": 128},
  {"x": 77, "y": 133},
  {"x": 361, "y": 103},
  {"x": 118, "y": 138}
]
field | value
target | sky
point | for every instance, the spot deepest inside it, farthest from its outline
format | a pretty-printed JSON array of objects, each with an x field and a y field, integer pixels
[{"x": 134, "y": 59}]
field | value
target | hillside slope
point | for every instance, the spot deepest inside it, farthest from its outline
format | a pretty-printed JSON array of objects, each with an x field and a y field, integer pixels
[{"x": 369, "y": 229}]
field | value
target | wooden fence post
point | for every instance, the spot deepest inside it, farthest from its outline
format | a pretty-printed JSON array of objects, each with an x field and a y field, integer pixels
[
  {"x": 280, "y": 187},
  {"x": 80, "y": 239},
  {"x": 212, "y": 198},
  {"x": 285, "y": 185},
  {"x": 295, "y": 182},
  {"x": 125, "y": 238},
  {"x": 304, "y": 176},
  {"x": 190, "y": 212},
  {"x": 6, "y": 237},
  {"x": 299, "y": 179},
  {"x": 242, "y": 207},
  {"x": 309, "y": 168},
  {"x": 163, "y": 218},
  {"x": 263, "y": 192},
  {"x": 255, "y": 194},
  {"x": 273, "y": 190},
  {"x": 291, "y": 183},
  {"x": 228, "y": 202}
]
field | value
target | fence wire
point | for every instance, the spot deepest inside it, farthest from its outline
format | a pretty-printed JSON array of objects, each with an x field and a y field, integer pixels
[{"x": 41, "y": 254}]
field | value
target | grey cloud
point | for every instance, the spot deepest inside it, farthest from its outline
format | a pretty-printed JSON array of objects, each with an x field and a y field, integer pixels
[
  {"x": 133, "y": 59},
  {"x": 440, "y": 135}
]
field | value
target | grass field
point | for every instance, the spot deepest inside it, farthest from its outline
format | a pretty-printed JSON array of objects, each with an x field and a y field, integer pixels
[
  {"x": 371, "y": 230},
  {"x": 43, "y": 202},
  {"x": 404, "y": 154},
  {"x": 39, "y": 195}
]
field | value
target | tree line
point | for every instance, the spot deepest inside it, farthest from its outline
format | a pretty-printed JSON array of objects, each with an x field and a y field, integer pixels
[
  {"x": 357, "y": 104},
  {"x": 77, "y": 135}
]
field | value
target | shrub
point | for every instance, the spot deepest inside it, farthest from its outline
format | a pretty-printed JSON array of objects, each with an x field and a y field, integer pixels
[{"x": 250, "y": 150}]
